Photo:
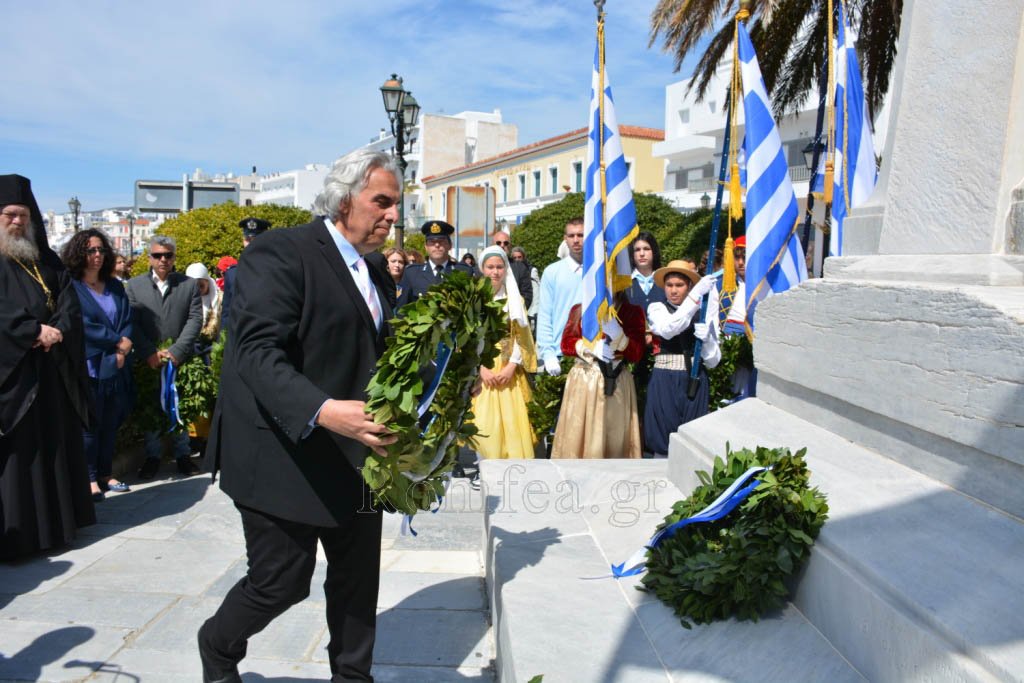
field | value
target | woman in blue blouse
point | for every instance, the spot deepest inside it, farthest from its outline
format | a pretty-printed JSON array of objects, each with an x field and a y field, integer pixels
[{"x": 107, "y": 317}]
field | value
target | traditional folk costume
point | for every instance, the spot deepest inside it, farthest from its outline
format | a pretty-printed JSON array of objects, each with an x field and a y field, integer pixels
[
  {"x": 44, "y": 485},
  {"x": 500, "y": 413},
  {"x": 599, "y": 417},
  {"x": 668, "y": 404}
]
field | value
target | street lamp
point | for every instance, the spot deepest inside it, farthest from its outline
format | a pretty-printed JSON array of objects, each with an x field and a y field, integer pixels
[
  {"x": 705, "y": 201},
  {"x": 402, "y": 110},
  {"x": 75, "y": 206},
  {"x": 809, "y": 153},
  {"x": 131, "y": 234}
]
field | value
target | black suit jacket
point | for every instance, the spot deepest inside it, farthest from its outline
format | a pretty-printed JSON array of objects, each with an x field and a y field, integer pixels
[
  {"x": 521, "y": 272},
  {"x": 418, "y": 278},
  {"x": 301, "y": 333}
]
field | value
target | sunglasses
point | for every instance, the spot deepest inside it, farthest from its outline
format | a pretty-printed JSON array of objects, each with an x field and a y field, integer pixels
[
  {"x": 161, "y": 255},
  {"x": 95, "y": 250},
  {"x": 500, "y": 243}
]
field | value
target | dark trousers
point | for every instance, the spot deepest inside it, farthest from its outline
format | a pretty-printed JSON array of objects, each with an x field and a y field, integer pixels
[
  {"x": 282, "y": 557},
  {"x": 110, "y": 405}
]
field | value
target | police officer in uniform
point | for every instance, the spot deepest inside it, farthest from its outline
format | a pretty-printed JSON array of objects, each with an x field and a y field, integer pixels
[
  {"x": 418, "y": 278},
  {"x": 251, "y": 227}
]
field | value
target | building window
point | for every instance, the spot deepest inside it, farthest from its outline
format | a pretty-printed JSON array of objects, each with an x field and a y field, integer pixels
[
  {"x": 712, "y": 105},
  {"x": 248, "y": 202},
  {"x": 536, "y": 183},
  {"x": 577, "y": 172},
  {"x": 522, "y": 186},
  {"x": 684, "y": 116},
  {"x": 444, "y": 204},
  {"x": 553, "y": 174},
  {"x": 504, "y": 189}
]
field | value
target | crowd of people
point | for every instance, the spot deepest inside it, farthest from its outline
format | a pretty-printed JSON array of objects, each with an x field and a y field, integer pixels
[
  {"x": 74, "y": 327},
  {"x": 289, "y": 431}
]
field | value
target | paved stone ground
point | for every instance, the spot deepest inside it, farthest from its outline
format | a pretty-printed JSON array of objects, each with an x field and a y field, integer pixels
[{"x": 124, "y": 601}]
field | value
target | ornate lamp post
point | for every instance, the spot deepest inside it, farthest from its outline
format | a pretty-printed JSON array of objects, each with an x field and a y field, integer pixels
[
  {"x": 705, "y": 201},
  {"x": 131, "y": 234},
  {"x": 75, "y": 206},
  {"x": 403, "y": 111}
]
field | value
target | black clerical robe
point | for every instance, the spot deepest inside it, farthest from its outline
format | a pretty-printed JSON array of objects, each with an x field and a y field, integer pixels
[{"x": 44, "y": 404}]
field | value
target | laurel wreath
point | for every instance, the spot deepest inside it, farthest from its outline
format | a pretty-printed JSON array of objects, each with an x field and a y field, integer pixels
[
  {"x": 460, "y": 311},
  {"x": 740, "y": 565}
]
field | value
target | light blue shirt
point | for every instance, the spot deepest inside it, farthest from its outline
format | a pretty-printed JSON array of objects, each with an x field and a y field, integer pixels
[
  {"x": 560, "y": 290},
  {"x": 646, "y": 281}
]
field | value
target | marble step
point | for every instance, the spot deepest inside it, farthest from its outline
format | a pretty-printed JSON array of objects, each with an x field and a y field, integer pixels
[
  {"x": 910, "y": 579},
  {"x": 552, "y": 527}
]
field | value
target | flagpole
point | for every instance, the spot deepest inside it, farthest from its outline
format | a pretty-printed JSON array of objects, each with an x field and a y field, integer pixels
[
  {"x": 694, "y": 384},
  {"x": 608, "y": 279},
  {"x": 815, "y": 160}
]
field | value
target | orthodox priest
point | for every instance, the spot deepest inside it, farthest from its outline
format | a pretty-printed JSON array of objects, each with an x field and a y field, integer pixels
[{"x": 44, "y": 485}]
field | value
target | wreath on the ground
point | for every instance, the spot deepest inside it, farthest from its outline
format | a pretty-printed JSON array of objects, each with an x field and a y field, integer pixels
[
  {"x": 739, "y": 565},
  {"x": 459, "y": 315}
]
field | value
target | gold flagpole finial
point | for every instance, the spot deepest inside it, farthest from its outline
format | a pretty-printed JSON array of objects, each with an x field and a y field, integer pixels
[
  {"x": 599, "y": 4},
  {"x": 744, "y": 12}
]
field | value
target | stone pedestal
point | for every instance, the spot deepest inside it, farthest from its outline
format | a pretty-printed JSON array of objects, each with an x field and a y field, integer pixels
[{"x": 902, "y": 371}]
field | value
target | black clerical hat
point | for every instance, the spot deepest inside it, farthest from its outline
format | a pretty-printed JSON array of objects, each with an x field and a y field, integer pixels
[{"x": 16, "y": 189}]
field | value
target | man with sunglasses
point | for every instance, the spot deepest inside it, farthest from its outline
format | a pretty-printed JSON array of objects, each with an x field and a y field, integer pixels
[{"x": 165, "y": 305}]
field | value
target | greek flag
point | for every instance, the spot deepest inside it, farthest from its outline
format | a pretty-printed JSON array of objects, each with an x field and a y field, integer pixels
[
  {"x": 856, "y": 171},
  {"x": 609, "y": 218},
  {"x": 775, "y": 260}
]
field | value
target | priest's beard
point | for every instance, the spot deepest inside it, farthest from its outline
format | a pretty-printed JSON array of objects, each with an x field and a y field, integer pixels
[{"x": 18, "y": 246}]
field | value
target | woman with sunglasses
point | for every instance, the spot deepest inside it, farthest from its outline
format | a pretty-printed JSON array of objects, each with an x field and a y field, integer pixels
[{"x": 108, "y": 328}]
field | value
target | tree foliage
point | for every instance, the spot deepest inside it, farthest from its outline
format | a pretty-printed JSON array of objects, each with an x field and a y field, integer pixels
[
  {"x": 204, "y": 235},
  {"x": 679, "y": 235},
  {"x": 789, "y": 37}
]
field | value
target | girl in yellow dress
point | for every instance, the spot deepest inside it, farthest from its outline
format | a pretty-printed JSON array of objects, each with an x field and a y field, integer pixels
[{"x": 499, "y": 411}]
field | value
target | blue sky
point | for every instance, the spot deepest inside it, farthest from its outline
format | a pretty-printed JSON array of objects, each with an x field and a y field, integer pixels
[{"x": 101, "y": 93}]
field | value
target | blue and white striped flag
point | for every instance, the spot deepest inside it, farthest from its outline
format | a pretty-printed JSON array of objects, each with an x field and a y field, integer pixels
[
  {"x": 609, "y": 218},
  {"x": 856, "y": 170},
  {"x": 775, "y": 260}
]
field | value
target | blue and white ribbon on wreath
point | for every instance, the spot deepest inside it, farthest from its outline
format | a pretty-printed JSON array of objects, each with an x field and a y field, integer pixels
[
  {"x": 723, "y": 505},
  {"x": 441, "y": 361},
  {"x": 169, "y": 394}
]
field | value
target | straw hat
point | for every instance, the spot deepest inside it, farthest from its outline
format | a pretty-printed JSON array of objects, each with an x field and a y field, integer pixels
[{"x": 678, "y": 266}]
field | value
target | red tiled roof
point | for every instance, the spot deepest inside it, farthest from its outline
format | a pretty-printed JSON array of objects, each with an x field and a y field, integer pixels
[{"x": 624, "y": 131}]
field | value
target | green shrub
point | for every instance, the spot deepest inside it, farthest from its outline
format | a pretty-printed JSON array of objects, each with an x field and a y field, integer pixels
[{"x": 204, "y": 235}]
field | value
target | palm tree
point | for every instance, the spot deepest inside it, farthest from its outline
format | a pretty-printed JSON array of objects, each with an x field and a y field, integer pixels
[{"x": 789, "y": 36}]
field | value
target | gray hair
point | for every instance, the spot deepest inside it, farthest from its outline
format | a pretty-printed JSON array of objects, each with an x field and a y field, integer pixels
[
  {"x": 348, "y": 176},
  {"x": 163, "y": 241}
]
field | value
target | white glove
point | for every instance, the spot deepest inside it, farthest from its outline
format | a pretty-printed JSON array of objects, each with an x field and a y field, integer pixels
[
  {"x": 604, "y": 351},
  {"x": 701, "y": 330},
  {"x": 705, "y": 285},
  {"x": 613, "y": 329},
  {"x": 552, "y": 366}
]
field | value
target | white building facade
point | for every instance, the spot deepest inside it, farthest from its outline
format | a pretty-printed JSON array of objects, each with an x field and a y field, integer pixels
[
  {"x": 443, "y": 142},
  {"x": 296, "y": 188},
  {"x": 693, "y": 141}
]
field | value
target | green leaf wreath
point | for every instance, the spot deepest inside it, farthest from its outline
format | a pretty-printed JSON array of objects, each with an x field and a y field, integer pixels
[
  {"x": 739, "y": 565},
  {"x": 411, "y": 477}
]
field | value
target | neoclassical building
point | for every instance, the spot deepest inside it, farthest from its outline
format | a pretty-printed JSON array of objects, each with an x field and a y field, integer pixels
[{"x": 529, "y": 177}]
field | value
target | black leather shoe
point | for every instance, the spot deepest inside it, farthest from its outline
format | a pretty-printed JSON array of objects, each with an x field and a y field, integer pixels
[
  {"x": 149, "y": 468},
  {"x": 187, "y": 467},
  {"x": 211, "y": 674}
]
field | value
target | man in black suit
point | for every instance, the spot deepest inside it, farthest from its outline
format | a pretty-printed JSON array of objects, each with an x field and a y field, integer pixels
[
  {"x": 289, "y": 432},
  {"x": 165, "y": 305},
  {"x": 417, "y": 279},
  {"x": 251, "y": 228}
]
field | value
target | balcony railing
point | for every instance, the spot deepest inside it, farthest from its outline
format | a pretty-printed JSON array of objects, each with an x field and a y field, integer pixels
[{"x": 797, "y": 173}]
